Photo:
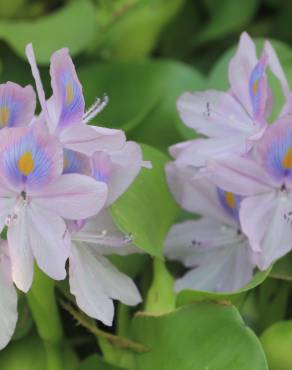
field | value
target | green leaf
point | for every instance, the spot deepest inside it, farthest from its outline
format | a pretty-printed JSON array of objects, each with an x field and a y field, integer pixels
[
  {"x": 94, "y": 362},
  {"x": 189, "y": 296},
  {"x": 142, "y": 97},
  {"x": 129, "y": 87},
  {"x": 25, "y": 321},
  {"x": 277, "y": 343},
  {"x": 198, "y": 337},
  {"x": 73, "y": 26},
  {"x": 131, "y": 264},
  {"x": 147, "y": 209},
  {"x": 282, "y": 269},
  {"x": 133, "y": 31},
  {"x": 163, "y": 126},
  {"x": 227, "y": 16},
  {"x": 29, "y": 354}
]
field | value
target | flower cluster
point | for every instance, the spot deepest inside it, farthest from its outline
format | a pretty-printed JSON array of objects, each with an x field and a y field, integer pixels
[
  {"x": 238, "y": 176},
  {"x": 58, "y": 178}
]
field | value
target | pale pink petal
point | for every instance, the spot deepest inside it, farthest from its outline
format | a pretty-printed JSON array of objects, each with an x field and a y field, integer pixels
[
  {"x": 47, "y": 235},
  {"x": 277, "y": 239},
  {"x": 224, "y": 269},
  {"x": 200, "y": 151},
  {"x": 87, "y": 288},
  {"x": 7, "y": 203},
  {"x": 73, "y": 196},
  {"x": 240, "y": 70},
  {"x": 276, "y": 68},
  {"x": 240, "y": 175},
  {"x": 255, "y": 214},
  {"x": 103, "y": 236},
  {"x": 20, "y": 252},
  {"x": 39, "y": 86},
  {"x": 198, "y": 195},
  {"x": 214, "y": 114},
  {"x": 125, "y": 166},
  {"x": 8, "y": 301},
  {"x": 95, "y": 282},
  {"x": 17, "y": 105},
  {"x": 67, "y": 90},
  {"x": 186, "y": 238},
  {"x": 217, "y": 255},
  {"x": 89, "y": 139},
  {"x": 176, "y": 149}
]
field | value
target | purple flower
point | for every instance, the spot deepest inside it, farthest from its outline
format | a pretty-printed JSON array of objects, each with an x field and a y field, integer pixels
[
  {"x": 240, "y": 114},
  {"x": 265, "y": 180},
  {"x": 36, "y": 197},
  {"x": 214, "y": 247}
]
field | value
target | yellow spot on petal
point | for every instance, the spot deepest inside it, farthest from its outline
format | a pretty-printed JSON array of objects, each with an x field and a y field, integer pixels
[
  {"x": 255, "y": 87},
  {"x": 66, "y": 163},
  {"x": 287, "y": 160},
  {"x": 69, "y": 93},
  {"x": 26, "y": 163},
  {"x": 230, "y": 199},
  {"x": 4, "y": 115}
]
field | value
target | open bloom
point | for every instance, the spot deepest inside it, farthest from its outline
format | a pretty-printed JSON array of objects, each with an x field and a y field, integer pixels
[
  {"x": 239, "y": 114},
  {"x": 64, "y": 113},
  {"x": 265, "y": 180},
  {"x": 35, "y": 197},
  {"x": 8, "y": 301},
  {"x": 94, "y": 281},
  {"x": 213, "y": 247}
]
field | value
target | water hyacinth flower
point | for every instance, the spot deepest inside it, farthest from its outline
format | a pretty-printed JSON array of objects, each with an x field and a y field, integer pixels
[
  {"x": 239, "y": 114},
  {"x": 64, "y": 113},
  {"x": 94, "y": 281},
  {"x": 212, "y": 247},
  {"x": 35, "y": 199},
  {"x": 8, "y": 301},
  {"x": 265, "y": 180}
]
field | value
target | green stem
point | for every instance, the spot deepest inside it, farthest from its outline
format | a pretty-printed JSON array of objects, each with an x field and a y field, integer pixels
[
  {"x": 161, "y": 297},
  {"x": 42, "y": 302},
  {"x": 123, "y": 320},
  {"x": 114, "y": 340}
]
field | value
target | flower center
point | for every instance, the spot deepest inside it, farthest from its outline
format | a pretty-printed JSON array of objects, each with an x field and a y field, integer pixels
[{"x": 26, "y": 163}]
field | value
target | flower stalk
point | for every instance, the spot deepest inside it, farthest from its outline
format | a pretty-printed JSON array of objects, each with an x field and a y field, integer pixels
[{"x": 42, "y": 302}]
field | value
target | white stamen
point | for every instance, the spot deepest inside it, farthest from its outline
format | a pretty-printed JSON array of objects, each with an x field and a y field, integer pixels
[
  {"x": 95, "y": 109},
  {"x": 103, "y": 239},
  {"x": 13, "y": 217}
]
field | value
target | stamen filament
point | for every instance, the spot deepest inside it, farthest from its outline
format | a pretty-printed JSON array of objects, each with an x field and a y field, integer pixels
[
  {"x": 103, "y": 239},
  {"x": 95, "y": 109}
]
